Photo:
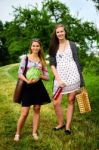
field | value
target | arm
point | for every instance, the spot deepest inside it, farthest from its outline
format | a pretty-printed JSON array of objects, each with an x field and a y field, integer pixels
[
  {"x": 53, "y": 65},
  {"x": 56, "y": 75},
  {"x": 45, "y": 75}
]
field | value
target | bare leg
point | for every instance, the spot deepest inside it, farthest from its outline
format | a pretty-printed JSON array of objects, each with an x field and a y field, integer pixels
[
  {"x": 58, "y": 111},
  {"x": 36, "y": 118},
  {"x": 21, "y": 121},
  {"x": 71, "y": 99}
]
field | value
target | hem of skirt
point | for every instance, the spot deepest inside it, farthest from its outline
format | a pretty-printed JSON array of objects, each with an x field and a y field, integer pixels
[
  {"x": 36, "y": 104},
  {"x": 69, "y": 91}
]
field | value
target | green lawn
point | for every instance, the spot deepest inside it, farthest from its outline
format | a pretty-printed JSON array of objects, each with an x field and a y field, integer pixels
[{"x": 85, "y": 126}]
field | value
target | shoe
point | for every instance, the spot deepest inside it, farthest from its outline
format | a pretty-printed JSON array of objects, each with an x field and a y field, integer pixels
[
  {"x": 56, "y": 128},
  {"x": 68, "y": 132},
  {"x": 16, "y": 138},
  {"x": 35, "y": 136}
]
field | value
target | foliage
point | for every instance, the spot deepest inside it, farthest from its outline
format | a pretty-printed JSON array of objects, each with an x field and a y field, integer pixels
[
  {"x": 3, "y": 49},
  {"x": 29, "y": 23},
  {"x": 96, "y": 4},
  {"x": 92, "y": 64}
]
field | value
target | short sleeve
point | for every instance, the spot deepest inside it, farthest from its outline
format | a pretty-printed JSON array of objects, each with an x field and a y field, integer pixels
[
  {"x": 52, "y": 60},
  {"x": 21, "y": 65},
  {"x": 45, "y": 72}
]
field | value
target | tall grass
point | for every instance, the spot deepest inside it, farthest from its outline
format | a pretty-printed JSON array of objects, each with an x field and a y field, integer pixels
[{"x": 85, "y": 127}]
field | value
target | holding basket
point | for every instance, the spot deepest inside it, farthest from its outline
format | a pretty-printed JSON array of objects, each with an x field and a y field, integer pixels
[{"x": 83, "y": 101}]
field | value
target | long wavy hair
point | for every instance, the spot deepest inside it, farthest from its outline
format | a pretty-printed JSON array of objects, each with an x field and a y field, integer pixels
[
  {"x": 41, "y": 51},
  {"x": 54, "y": 42}
]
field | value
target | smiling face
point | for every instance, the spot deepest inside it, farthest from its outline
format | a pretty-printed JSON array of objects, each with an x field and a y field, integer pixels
[
  {"x": 60, "y": 33},
  {"x": 35, "y": 47}
]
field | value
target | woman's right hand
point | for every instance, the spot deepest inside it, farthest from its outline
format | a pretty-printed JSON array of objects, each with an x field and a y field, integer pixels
[
  {"x": 61, "y": 83},
  {"x": 31, "y": 81}
]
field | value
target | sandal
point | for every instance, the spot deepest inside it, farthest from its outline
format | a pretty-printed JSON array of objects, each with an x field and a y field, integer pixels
[
  {"x": 35, "y": 136},
  {"x": 68, "y": 132},
  {"x": 58, "y": 128},
  {"x": 16, "y": 138}
]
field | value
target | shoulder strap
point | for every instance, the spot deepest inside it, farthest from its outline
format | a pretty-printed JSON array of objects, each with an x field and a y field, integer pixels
[{"x": 26, "y": 62}]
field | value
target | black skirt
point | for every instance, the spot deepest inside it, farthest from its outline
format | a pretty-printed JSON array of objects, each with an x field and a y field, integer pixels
[{"x": 34, "y": 94}]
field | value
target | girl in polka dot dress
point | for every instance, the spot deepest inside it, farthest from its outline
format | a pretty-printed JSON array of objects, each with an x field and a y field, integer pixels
[{"x": 67, "y": 72}]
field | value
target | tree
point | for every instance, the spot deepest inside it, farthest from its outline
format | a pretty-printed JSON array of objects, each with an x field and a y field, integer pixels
[
  {"x": 3, "y": 49},
  {"x": 33, "y": 23},
  {"x": 84, "y": 34},
  {"x": 96, "y": 4}
]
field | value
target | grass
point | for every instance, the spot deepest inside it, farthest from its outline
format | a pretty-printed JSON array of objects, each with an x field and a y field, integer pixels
[{"x": 85, "y": 127}]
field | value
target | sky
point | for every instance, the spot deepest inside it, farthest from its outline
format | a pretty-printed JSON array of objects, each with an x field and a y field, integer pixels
[{"x": 82, "y": 9}]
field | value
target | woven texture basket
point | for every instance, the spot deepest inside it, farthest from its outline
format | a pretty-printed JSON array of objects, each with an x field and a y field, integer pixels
[{"x": 83, "y": 101}]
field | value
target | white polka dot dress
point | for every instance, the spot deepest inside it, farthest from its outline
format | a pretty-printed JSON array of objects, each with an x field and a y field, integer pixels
[{"x": 68, "y": 71}]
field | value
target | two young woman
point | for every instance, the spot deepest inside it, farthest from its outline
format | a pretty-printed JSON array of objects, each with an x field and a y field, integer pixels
[{"x": 67, "y": 72}]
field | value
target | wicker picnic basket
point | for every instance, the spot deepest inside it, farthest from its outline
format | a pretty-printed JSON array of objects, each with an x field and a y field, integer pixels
[{"x": 83, "y": 101}]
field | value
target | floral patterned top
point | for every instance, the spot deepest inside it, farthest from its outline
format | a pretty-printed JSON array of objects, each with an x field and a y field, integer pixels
[{"x": 31, "y": 64}]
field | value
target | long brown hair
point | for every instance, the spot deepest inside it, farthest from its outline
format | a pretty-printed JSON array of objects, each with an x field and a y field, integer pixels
[
  {"x": 54, "y": 42},
  {"x": 41, "y": 51}
]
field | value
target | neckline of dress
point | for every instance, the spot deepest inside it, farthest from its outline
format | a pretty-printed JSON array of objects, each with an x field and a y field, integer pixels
[
  {"x": 34, "y": 61},
  {"x": 66, "y": 48}
]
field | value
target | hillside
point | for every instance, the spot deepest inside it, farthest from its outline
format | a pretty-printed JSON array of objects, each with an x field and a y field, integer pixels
[{"x": 85, "y": 127}]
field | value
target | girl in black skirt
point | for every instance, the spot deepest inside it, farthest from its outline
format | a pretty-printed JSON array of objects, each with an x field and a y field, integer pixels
[{"x": 34, "y": 92}]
